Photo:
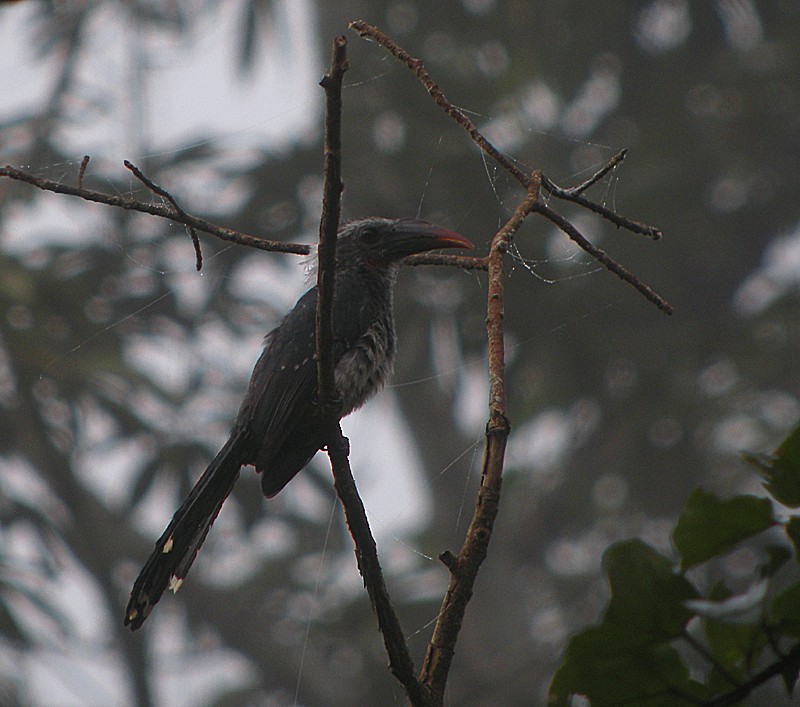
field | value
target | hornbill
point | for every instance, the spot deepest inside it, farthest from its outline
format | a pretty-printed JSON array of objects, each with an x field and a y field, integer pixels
[{"x": 277, "y": 429}]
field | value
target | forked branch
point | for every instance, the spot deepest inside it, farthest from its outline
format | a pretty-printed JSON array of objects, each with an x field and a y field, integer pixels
[
  {"x": 576, "y": 194},
  {"x": 150, "y": 184},
  {"x": 162, "y": 210},
  {"x": 465, "y": 565}
]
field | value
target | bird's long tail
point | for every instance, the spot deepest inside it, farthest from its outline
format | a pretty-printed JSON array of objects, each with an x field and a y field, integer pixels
[{"x": 176, "y": 549}]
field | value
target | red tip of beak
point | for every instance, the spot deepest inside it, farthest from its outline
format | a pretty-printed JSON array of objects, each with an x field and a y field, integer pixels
[{"x": 450, "y": 239}]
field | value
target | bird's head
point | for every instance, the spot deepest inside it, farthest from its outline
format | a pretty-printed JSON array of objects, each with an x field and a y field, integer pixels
[{"x": 381, "y": 242}]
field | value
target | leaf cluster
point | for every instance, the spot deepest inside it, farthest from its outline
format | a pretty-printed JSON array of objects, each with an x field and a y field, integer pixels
[{"x": 664, "y": 639}]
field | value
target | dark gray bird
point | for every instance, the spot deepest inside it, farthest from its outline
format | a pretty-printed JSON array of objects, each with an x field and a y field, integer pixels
[{"x": 276, "y": 429}]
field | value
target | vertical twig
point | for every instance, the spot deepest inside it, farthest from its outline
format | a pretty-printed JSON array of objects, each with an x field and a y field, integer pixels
[
  {"x": 82, "y": 170},
  {"x": 464, "y": 566},
  {"x": 366, "y": 551},
  {"x": 329, "y": 221}
]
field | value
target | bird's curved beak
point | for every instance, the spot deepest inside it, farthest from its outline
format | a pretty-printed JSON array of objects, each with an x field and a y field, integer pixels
[{"x": 412, "y": 236}]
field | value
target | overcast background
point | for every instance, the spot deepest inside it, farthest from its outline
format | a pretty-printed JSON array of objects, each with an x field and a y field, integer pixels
[{"x": 121, "y": 368}]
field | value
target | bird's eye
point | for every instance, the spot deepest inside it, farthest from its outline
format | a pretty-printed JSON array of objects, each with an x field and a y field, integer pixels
[{"x": 369, "y": 235}]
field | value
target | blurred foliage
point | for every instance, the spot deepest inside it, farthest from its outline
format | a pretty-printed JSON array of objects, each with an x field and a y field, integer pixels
[
  {"x": 120, "y": 368},
  {"x": 736, "y": 642}
]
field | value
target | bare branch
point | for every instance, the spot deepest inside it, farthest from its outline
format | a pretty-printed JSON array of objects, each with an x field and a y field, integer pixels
[
  {"x": 329, "y": 222},
  {"x": 599, "y": 174},
  {"x": 787, "y": 665},
  {"x": 465, "y": 262},
  {"x": 575, "y": 195},
  {"x": 603, "y": 258},
  {"x": 371, "y": 32},
  {"x": 150, "y": 184},
  {"x": 429, "y": 687},
  {"x": 160, "y": 210},
  {"x": 464, "y": 567}
]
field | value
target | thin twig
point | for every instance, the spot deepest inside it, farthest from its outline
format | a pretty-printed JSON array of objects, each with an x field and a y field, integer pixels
[
  {"x": 156, "y": 189},
  {"x": 82, "y": 170},
  {"x": 603, "y": 258},
  {"x": 609, "y": 215},
  {"x": 369, "y": 31},
  {"x": 329, "y": 222},
  {"x": 599, "y": 174},
  {"x": 160, "y": 210},
  {"x": 789, "y": 664}
]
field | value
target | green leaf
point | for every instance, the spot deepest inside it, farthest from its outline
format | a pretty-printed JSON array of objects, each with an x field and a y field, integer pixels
[
  {"x": 728, "y": 644},
  {"x": 793, "y": 531},
  {"x": 733, "y": 645},
  {"x": 777, "y": 557},
  {"x": 782, "y": 472},
  {"x": 785, "y": 610},
  {"x": 647, "y": 596},
  {"x": 627, "y": 659},
  {"x": 601, "y": 664},
  {"x": 785, "y": 613},
  {"x": 709, "y": 527},
  {"x": 789, "y": 674}
]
